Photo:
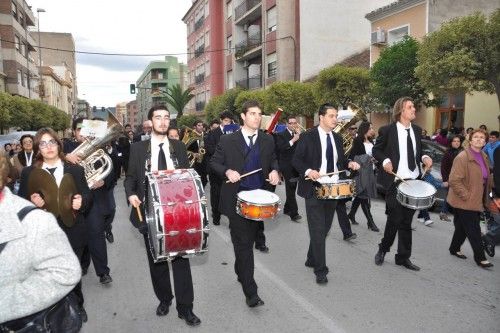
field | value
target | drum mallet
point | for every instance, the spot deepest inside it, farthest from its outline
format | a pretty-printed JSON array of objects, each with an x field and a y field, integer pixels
[{"x": 246, "y": 174}]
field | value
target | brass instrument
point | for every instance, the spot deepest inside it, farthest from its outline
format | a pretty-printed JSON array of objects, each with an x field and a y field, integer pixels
[
  {"x": 299, "y": 129},
  {"x": 189, "y": 137},
  {"x": 91, "y": 152},
  {"x": 341, "y": 128}
]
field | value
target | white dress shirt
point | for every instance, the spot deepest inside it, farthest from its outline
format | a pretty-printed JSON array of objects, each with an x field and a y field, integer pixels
[
  {"x": 403, "y": 169},
  {"x": 322, "y": 170},
  {"x": 246, "y": 135},
  {"x": 155, "y": 150},
  {"x": 58, "y": 173}
]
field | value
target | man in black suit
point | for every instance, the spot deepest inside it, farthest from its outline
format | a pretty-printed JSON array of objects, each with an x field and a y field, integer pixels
[
  {"x": 147, "y": 126},
  {"x": 398, "y": 149},
  {"x": 160, "y": 153},
  {"x": 245, "y": 150},
  {"x": 286, "y": 142},
  {"x": 314, "y": 157},
  {"x": 211, "y": 142}
]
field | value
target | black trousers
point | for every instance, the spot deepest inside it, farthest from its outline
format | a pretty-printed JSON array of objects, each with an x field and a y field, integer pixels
[
  {"x": 96, "y": 225},
  {"x": 201, "y": 169},
  {"x": 319, "y": 220},
  {"x": 215, "y": 186},
  {"x": 78, "y": 288},
  {"x": 467, "y": 226},
  {"x": 243, "y": 236},
  {"x": 290, "y": 207},
  {"x": 344, "y": 223},
  {"x": 399, "y": 220},
  {"x": 183, "y": 282}
]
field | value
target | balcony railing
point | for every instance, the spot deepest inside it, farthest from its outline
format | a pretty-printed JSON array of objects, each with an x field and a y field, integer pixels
[
  {"x": 199, "y": 106},
  {"x": 199, "y": 78},
  {"x": 199, "y": 51},
  {"x": 246, "y": 45},
  {"x": 251, "y": 82},
  {"x": 199, "y": 23},
  {"x": 245, "y": 7}
]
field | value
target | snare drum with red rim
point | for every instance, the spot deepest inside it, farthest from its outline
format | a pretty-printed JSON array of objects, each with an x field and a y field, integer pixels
[
  {"x": 257, "y": 205},
  {"x": 176, "y": 214}
]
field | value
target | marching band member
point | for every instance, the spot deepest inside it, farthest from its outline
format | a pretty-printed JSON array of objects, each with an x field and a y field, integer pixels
[
  {"x": 245, "y": 150},
  {"x": 286, "y": 142},
  {"x": 50, "y": 157},
  {"x": 399, "y": 150},
  {"x": 160, "y": 153},
  {"x": 317, "y": 154}
]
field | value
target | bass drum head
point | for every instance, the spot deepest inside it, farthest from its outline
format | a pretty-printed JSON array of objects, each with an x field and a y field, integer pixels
[{"x": 258, "y": 197}]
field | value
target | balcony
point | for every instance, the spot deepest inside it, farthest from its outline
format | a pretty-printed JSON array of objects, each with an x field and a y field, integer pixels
[
  {"x": 199, "y": 51},
  {"x": 246, "y": 45},
  {"x": 200, "y": 106},
  {"x": 247, "y": 9},
  {"x": 198, "y": 24},
  {"x": 252, "y": 82},
  {"x": 199, "y": 78}
]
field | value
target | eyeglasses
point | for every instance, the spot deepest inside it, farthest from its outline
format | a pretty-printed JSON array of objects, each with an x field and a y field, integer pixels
[{"x": 45, "y": 144}]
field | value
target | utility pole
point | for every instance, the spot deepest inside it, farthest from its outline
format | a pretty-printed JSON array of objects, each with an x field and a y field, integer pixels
[{"x": 41, "y": 89}]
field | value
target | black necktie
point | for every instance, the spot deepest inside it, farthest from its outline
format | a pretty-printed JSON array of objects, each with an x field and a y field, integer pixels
[
  {"x": 329, "y": 154},
  {"x": 251, "y": 141},
  {"x": 52, "y": 170},
  {"x": 162, "y": 161},
  {"x": 409, "y": 152}
]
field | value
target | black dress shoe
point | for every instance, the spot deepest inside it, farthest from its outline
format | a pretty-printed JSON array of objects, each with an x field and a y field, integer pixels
[
  {"x": 350, "y": 237},
  {"x": 83, "y": 314},
  {"x": 190, "y": 318},
  {"x": 296, "y": 218},
  {"x": 408, "y": 264},
  {"x": 254, "y": 301},
  {"x": 321, "y": 279},
  {"x": 352, "y": 219},
  {"x": 309, "y": 264},
  {"x": 109, "y": 236},
  {"x": 162, "y": 309},
  {"x": 379, "y": 258},
  {"x": 485, "y": 265},
  {"x": 458, "y": 255},
  {"x": 262, "y": 248},
  {"x": 105, "y": 279}
]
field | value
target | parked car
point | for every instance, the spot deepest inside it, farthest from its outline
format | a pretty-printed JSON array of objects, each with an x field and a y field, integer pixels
[{"x": 436, "y": 152}]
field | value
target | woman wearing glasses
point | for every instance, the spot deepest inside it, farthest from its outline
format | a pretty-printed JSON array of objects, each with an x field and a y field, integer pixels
[{"x": 49, "y": 156}]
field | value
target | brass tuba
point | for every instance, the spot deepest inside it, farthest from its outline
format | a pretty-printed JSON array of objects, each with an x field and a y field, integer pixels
[
  {"x": 189, "y": 137},
  {"x": 341, "y": 128},
  {"x": 90, "y": 151}
]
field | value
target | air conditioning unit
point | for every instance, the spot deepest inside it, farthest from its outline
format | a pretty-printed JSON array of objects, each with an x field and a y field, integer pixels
[{"x": 379, "y": 37}]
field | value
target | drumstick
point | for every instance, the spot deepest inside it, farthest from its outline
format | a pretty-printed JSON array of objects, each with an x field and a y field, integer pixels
[
  {"x": 329, "y": 174},
  {"x": 139, "y": 213},
  {"x": 399, "y": 177},
  {"x": 246, "y": 174}
]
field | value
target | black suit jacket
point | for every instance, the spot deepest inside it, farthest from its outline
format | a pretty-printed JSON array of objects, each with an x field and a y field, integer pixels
[
  {"x": 77, "y": 234},
  {"x": 308, "y": 156},
  {"x": 387, "y": 146},
  {"x": 285, "y": 153},
  {"x": 135, "y": 179},
  {"x": 211, "y": 141},
  {"x": 358, "y": 148},
  {"x": 230, "y": 155}
]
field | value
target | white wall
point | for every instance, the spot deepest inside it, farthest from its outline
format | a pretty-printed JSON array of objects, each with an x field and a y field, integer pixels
[{"x": 332, "y": 30}]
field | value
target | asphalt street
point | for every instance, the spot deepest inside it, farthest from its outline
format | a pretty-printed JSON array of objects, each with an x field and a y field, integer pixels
[{"x": 448, "y": 294}]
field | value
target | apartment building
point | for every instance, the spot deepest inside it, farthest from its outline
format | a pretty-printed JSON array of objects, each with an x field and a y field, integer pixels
[
  {"x": 51, "y": 43},
  {"x": 132, "y": 113},
  {"x": 83, "y": 108},
  {"x": 205, "y": 52},
  {"x": 153, "y": 83},
  {"x": 57, "y": 85},
  {"x": 17, "y": 48},
  {"x": 121, "y": 112},
  {"x": 416, "y": 18}
]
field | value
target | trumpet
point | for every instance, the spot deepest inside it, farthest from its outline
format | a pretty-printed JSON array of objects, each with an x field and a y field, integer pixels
[{"x": 299, "y": 129}]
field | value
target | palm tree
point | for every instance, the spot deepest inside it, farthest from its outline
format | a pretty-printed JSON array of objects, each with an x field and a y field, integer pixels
[{"x": 178, "y": 98}]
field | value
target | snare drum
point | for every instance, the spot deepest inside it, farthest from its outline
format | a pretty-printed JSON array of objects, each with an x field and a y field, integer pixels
[
  {"x": 176, "y": 214},
  {"x": 257, "y": 204},
  {"x": 343, "y": 189},
  {"x": 416, "y": 194}
]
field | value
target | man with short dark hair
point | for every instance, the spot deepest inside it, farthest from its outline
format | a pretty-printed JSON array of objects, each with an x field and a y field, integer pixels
[{"x": 491, "y": 146}]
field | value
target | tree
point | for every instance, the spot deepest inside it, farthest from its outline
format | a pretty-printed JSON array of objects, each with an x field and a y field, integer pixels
[
  {"x": 186, "y": 121},
  {"x": 393, "y": 74},
  {"x": 221, "y": 103},
  {"x": 246, "y": 95},
  {"x": 178, "y": 98},
  {"x": 5, "y": 112},
  {"x": 295, "y": 98},
  {"x": 464, "y": 54},
  {"x": 342, "y": 85}
]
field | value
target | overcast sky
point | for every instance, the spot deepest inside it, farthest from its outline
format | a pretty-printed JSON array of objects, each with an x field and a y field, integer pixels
[{"x": 115, "y": 26}]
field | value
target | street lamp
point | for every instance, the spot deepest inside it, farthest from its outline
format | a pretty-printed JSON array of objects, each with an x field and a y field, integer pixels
[{"x": 41, "y": 90}]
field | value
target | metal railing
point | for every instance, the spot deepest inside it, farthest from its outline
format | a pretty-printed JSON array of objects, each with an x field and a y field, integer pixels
[
  {"x": 251, "y": 82},
  {"x": 199, "y": 23},
  {"x": 252, "y": 41},
  {"x": 199, "y": 78},
  {"x": 199, "y": 106},
  {"x": 245, "y": 7},
  {"x": 199, "y": 51}
]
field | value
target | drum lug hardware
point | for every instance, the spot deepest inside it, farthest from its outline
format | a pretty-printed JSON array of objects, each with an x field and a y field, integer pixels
[
  {"x": 191, "y": 231},
  {"x": 171, "y": 203},
  {"x": 173, "y": 233},
  {"x": 188, "y": 202}
]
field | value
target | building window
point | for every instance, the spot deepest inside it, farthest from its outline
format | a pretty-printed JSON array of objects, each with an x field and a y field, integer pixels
[
  {"x": 207, "y": 68},
  {"x": 272, "y": 65},
  {"x": 229, "y": 44},
  {"x": 19, "y": 77},
  {"x": 271, "y": 19},
  {"x": 14, "y": 9},
  {"x": 397, "y": 34},
  {"x": 207, "y": 38},
  {"x": 21, "y": 19},
  {"x": 206, "y": 9},
  {"x": 18, "y": 43},
  {"x": 229, "y": 9},
  {"x": 229, "y": 80}
]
